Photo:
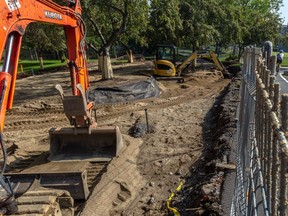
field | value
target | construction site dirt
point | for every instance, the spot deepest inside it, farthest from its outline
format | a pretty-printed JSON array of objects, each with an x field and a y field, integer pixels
[{"x": 179, "y": 164}]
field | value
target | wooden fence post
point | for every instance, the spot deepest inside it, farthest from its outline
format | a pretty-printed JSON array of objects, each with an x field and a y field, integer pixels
[
  {"x": 275, "y": 159},
  {"x": 272, "y": 65},
  {"x": 284, "y": 114},
  {"x": 41, "y": 63},
  {"x": 283, "y": 155}
]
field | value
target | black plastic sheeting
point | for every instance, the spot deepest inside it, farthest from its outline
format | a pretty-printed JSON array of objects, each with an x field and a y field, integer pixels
[
  {"x": 129, "y": 92},
  {"x": 140, "y": 129}
]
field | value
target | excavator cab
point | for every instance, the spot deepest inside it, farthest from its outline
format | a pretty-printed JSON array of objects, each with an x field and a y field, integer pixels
[
  {"x": 166, "y": 52},
  {"x": 165, "y": 61}
]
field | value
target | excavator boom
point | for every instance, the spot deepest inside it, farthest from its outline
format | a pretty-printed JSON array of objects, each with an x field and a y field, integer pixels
[
  {"x": 85, "y": 140},
  {"x": 15, "y": 16}
]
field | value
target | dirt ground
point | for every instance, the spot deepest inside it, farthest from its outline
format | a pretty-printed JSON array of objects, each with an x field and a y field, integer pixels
[{"x": 184, "y": 124}]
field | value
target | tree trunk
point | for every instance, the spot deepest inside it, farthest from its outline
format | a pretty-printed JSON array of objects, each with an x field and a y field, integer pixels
[
  {"x": 218, "y": 49},
  {"x": 104, "y": 64},
  {"x": 36, "y": 54},
  {"x": 240, "y": 52},
  {"x": 31, "y": 54},
  {"x": 194, "y": 63},
  {"x": 234, "y": 50},
  {"x": 100, "y": 64},
  {"x": 130, "y": 56},
  {"x": 41, "y": 63},
  {"x": 57, "y": 54}
]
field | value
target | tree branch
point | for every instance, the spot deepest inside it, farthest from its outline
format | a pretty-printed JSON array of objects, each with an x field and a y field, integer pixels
[
  {"x": 93, "y": 48},
  {"x": 123, "y": 44},
  {"x": 98, "y": 30},
  {"x": 122, "y": 29}
]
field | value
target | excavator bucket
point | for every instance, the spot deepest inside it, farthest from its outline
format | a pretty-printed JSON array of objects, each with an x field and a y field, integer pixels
[
  {"x": 84, "y": 142},
  {"x": 100, "y": 144}
]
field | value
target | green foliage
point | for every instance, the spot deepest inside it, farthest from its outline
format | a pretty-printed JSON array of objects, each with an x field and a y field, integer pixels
[
  {"x": 231, "y": 58},
  {"x": 111, "y": 21},
  {"x": 137, "y": 23},
  {"x": 256, "y": 21},
  {"x": 43, "y": 37},
  {"x": 165, "y": 22},
  {"x": 201, "y": 21},
  {"x": 195, "y": 24}
]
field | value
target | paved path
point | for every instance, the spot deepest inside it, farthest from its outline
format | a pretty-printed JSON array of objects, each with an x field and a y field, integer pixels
[{"x": 282, "y": 80}]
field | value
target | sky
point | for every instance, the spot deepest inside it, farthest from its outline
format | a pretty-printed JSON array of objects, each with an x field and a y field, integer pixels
[{"x": 284, "y": 11}]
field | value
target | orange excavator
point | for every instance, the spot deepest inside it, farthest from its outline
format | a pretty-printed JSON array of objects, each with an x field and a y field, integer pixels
[{"x": 76, "y": 145}]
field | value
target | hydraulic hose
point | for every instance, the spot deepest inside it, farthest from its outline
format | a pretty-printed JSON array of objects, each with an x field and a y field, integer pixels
[{"x": 3, "y": 147}]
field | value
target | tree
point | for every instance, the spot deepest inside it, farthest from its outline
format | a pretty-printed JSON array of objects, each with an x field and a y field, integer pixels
[
  {"x": 110, "y": 19},
  {"x": 200, "y": 22},
  {"x": 228, "y": 22},
  {"x": 42, "y": 38},
  {"x": 136, "y": 28},
  {"x": 165, "y": 22},
  {"x": 258, "y": 21}
]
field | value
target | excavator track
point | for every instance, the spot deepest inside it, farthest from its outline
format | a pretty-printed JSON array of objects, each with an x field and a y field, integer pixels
[
  {"x": 42, "y": 202},
  {"x": 27, "y": 159},
  {"x": 48, "y": 201},
  {"x": 17, "y": 120},
  {"x": 20, "y": 124}
]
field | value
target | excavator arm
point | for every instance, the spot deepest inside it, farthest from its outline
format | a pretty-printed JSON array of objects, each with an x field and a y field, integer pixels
[
  {"x": 86, "y": 141},
  {"x": 15, "y": 16},
  {"x": 209, "y": 55}
]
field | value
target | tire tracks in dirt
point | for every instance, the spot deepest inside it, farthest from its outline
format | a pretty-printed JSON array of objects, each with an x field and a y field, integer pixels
[{"x": 54, "y": 117}]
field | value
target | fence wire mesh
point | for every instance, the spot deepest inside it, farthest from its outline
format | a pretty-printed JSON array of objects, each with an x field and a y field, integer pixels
[{"x": 261, "y": 161}]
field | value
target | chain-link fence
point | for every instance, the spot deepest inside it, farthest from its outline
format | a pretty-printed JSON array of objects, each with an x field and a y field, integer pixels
[{"x": 262, "y": 148}]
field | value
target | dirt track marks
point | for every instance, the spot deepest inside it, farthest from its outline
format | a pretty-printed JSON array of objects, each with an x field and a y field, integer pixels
[{"x": 34, "y": 120}]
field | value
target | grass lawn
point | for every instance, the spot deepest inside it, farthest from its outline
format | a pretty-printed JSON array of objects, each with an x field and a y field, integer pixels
[
  {"x": 285, "y": 60},
  {"x": 32, "y": 66}
]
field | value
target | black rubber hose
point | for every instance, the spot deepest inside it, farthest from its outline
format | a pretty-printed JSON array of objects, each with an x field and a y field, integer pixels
[{"x": 4, "y": 154}]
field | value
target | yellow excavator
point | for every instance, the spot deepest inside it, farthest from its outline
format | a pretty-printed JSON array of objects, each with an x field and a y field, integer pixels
[{"x": 167, "y": 68}]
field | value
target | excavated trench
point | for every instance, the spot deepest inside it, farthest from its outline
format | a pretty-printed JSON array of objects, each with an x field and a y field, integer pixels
[{"x": 203, "y": 187}]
